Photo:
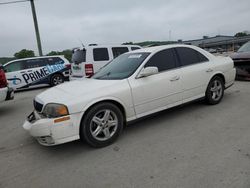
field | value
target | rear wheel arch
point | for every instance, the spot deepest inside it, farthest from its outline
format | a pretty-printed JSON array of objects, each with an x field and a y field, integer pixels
[
  {"x": 54, "y": 74},
  {"x": 219, "y": 75}
]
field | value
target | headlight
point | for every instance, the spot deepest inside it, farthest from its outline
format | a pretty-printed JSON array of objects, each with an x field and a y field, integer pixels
[{"x": 53, "y": 110}]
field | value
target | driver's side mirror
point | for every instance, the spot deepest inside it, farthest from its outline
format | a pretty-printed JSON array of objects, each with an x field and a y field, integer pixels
[{"x": 148, "y": 71}]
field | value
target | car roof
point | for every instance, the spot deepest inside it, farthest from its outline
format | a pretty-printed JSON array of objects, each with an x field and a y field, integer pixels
[
  {"x": 108, "y": 45},
  {"x": 159, "y": 48},
  {"x": 38, "y": 57}
]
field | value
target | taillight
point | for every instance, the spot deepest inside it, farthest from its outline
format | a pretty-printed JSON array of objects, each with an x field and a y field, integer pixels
[
  {"x": 68, "y": 66},
  {"x": 3, "y": 81},
  {"x": 89, "y": 70}
]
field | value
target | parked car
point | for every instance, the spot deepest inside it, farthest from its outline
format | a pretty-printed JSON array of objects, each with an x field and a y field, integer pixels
[
  {"x": 6, "y": 93},
  {"x": 88, "y": 60},
  {"x": 28, "y": 72},
  {"x": 133, "y": 85},
  {"x": 242, "y": 62}
]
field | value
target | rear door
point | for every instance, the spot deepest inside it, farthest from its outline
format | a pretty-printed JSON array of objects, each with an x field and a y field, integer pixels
[{"x": 196, "y": 71}]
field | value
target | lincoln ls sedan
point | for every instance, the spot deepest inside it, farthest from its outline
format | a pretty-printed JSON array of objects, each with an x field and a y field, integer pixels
[{"x": 133, "y": 85}]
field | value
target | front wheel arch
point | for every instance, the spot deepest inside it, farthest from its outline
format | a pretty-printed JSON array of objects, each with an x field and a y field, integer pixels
[
  {"x": 83, "y": 133},
  {"x": 119, "y": 105}
]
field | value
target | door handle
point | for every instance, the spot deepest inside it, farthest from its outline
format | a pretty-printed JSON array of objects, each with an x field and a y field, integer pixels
[
  {"x": 209, "y": 70},
  {"x": 175, "y": 78}
]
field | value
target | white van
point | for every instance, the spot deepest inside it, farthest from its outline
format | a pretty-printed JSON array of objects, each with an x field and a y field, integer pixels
[
  {"x": 27, "y": 72},
  {"x": 88, "y": 60}
]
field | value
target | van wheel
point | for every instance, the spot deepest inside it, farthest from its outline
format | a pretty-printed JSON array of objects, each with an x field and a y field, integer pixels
[
  {"x": 102, "y": 125},
  {"x": 215, "y": 90},
  {"x": 56, "y": 79}
]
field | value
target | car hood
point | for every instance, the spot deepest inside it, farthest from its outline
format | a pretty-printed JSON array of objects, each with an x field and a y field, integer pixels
[
  {"x": 74, "y": 89},
  {"x": 240, "y": 55}
]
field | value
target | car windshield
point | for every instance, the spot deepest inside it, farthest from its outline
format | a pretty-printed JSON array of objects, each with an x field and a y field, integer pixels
[
  {"x": 245, "y": 48},
  {"x": 121, "y": 67}
]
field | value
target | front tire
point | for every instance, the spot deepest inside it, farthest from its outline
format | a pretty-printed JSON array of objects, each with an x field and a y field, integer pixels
[
  {"x": 102, "y": 125},
  {"x": 215, "y": 90}
]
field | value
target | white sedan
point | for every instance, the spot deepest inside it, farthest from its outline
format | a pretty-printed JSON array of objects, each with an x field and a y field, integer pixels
[{"x": 133, "y": 85}]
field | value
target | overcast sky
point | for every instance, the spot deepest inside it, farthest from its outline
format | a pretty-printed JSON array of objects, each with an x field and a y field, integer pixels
[{"x": 64, "y": 23}]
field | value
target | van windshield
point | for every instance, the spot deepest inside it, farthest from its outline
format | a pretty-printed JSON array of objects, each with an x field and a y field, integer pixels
[
  {"x": 78, "y": 56},
  {"x": 121, "y": 67}
]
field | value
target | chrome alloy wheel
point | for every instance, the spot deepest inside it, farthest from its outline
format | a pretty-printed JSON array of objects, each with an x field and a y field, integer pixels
[
  {"x": 216, "y": 90},
  {"x": 57, "y": 80},
  {"x": 103, "y": 125}
]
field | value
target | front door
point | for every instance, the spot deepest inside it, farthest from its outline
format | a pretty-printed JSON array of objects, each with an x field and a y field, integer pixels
[{"x": 160, "y": 91}]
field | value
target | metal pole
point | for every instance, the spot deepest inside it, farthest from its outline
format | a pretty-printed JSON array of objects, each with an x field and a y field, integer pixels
[{"x": 36, "y": 28}]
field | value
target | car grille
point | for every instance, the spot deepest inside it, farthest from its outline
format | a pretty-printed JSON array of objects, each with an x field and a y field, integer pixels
[{"x": 38, "y": 106}]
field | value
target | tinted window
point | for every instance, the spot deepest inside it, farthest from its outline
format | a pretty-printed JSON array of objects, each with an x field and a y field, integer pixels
[
  {"x": 34, "y": 63},
  {"x": 100, "y": 54},
  {"x": 202, "y": 57},
  {"x": 190, "y": 56},
  {"x": 135, "y": 48},
  {"x": 121, "y": 67},
  {"x": 15, "y": 66},
  {"x": 54, "y": 60},
  {"x": 79, "y": 56},
  {"x": 119, "y": 50},
  {"x": 164, "y": 60}
]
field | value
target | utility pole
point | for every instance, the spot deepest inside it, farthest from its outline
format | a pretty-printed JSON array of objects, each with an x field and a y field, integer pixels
[{"x": 36, "y": 28}]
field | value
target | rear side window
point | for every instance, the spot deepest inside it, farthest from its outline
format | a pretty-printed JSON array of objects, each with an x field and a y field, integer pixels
[
  {"x": 119, "y": 50},
  {"x": 54, "y": 60},
  {"x": 163, "y": 60},
  {"x": 100, "y": 54},
  {"x": 34, "y": 63},
  {"x": 135, "y": 48},
  {"x": 15, "y": 66},
  {"x": 190, "y": 56}
]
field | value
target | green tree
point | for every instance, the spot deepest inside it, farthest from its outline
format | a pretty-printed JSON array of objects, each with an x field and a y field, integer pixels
[
  {"x": 24, "y": 53},
  {"x": 66, "y": 53},
  {"x": 240, "y": 34}
]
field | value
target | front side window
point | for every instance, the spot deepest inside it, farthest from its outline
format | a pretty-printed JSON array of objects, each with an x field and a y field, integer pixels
[
  {"x": 163, "y": 60},
  {"x": 188, "y": 56},
  {"x": 15, "y": 66},
  {"x": 54, "y": 60},
  {"x": 100, "y": 54},
  {"x": 121, "y": 67},
  {"x": 119, "y": 50}
]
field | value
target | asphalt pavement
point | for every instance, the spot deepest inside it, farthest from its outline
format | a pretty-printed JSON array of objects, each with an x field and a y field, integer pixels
[{"x": 192, "y": 146}]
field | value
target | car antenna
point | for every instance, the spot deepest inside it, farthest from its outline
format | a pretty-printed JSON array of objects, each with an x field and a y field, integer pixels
[{"x": 81, "y": 43}]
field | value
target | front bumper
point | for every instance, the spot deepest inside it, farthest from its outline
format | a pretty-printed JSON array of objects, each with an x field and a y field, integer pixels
[{"x": 49, "y": 133}]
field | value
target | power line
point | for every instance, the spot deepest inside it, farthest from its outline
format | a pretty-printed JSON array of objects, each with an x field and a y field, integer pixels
[{"x": 12, "y": 2}]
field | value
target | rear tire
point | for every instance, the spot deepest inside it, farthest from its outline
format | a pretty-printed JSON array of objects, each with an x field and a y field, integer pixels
[
  {"x": 215, "y": 90},
  {"x": 102, "y": 125},
  {"x": 56, "y": 79}
]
